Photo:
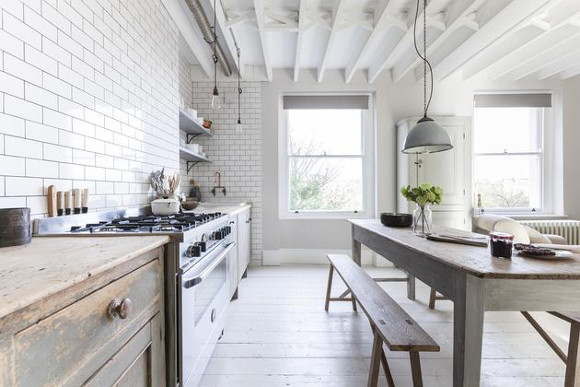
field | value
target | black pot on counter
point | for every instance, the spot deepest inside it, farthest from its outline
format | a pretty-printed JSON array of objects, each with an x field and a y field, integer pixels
[{"x": 14, "y": 226}]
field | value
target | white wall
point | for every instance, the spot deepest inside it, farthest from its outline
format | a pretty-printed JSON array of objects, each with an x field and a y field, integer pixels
[
  {"x": 89, "y": 92},
  {"x": 393, "y": 102}
]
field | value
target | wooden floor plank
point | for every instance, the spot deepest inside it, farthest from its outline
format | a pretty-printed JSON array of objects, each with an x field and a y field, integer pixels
[{"x": 278, "y": 334}]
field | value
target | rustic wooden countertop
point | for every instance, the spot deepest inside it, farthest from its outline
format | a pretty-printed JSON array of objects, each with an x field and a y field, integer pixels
[{"x": 48, "y": 266}]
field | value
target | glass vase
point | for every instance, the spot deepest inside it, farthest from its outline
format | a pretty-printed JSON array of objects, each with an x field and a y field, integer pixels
[{"x": 422, "y": 219}]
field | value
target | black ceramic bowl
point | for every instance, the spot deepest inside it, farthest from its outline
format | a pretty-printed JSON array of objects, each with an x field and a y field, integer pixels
[{"x": 396, "y": 220}]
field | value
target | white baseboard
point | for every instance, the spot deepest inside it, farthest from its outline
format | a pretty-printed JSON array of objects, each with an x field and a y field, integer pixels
[{"x": 316, "y": 256}]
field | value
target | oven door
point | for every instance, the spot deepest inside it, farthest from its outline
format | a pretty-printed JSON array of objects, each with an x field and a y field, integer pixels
[{"x": 204, "y": 300}]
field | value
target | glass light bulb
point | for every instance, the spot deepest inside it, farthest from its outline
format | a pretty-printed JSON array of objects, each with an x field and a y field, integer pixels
[
  {"x": 215, "y": 102},
  {"x": 239, "y": 127}
]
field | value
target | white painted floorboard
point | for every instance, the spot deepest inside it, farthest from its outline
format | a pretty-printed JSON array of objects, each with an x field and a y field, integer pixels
[{"x": 278, "y": 334}]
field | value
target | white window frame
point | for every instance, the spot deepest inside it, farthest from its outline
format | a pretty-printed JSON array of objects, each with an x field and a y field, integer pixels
[
  {"x": 368, "y": 152},
  {"x": 549, "y": 150}
]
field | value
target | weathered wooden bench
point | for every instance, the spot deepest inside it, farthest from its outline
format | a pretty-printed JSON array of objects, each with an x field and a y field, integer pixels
[
  {"x": 389, "y": 322},
  {"x": 572, "y": 358}
]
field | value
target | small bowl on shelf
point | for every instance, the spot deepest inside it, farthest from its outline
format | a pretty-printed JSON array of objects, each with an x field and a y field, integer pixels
[
  {"x": 391, "y": 219},
  {"x": 207, "y": 123}
]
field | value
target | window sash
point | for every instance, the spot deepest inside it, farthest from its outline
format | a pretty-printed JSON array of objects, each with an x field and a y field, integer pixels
[{"x": 368, "y": 172}]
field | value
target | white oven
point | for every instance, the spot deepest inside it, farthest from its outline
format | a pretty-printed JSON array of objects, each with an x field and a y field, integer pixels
[{"x": 203, "y": 294}]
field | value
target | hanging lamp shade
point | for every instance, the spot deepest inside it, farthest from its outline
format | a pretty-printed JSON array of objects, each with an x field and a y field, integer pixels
[{"x": 427, "y": 137}]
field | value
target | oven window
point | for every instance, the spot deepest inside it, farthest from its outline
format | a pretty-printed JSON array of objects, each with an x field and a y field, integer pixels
[{"x": 208, "y": 288}]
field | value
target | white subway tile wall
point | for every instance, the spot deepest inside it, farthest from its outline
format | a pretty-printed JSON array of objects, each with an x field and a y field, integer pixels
[
  {"x": 89, "y": 95},
  {"x": 236, "y": 156}
]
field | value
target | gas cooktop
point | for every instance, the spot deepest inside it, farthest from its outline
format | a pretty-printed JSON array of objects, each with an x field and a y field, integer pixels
[{"x": 148, "y": 223}]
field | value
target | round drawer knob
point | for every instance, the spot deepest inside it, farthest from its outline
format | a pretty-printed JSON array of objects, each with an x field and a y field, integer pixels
[{"x": 120, "y": 308}]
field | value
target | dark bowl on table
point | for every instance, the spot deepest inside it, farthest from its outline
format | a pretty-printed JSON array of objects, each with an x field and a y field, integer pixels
[{"x": 396, "y": 220}]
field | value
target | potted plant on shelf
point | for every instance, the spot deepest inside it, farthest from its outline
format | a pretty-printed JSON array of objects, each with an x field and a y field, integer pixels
[{"x": 423, "y": 195}]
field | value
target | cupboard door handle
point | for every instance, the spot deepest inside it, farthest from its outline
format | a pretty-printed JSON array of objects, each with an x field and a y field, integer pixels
[{"x": 121, "y": 308}]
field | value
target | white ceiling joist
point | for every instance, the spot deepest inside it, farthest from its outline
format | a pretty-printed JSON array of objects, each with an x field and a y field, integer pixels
[
  {"x": 337, "y": 12},
  {"x": 548, "y": 56},
  {"x": 259, "y": 10},
  {"x": 382, "y": 17},
  {"x": 571, "y": 72},
  {"x": 532, "y": 48},
  {"x": 239, "y": 19},
  {"x": 508, "y": 19},
  {"x": 564, "y": 63},
  {"x": 300, "y": 37},
  {"x": 397, "y": 53},
  {"x": 465, "y": 12}
]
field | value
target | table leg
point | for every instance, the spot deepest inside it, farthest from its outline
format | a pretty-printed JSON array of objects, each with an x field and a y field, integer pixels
[
  {"x": 468, "y": 331},
  {"x": 356, "y": 249}
]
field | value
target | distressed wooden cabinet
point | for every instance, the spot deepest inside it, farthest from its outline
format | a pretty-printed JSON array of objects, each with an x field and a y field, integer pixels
[{"x": 111, "y": 334}]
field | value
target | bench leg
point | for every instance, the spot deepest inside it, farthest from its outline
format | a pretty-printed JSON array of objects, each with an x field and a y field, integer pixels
[
  {"x": 416, "y": 369},
  {"x": 411, "y": 287},
  {"x": 353, "y": 303},
  {"x": 432, "y": 298},
  {"x": 375, "y": 361},
  {"x": 328, "y": 288},
  {"x": 573, "y": 364}
]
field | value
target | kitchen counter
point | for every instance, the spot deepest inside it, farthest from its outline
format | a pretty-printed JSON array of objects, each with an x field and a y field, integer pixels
[
  {"x": 228, "y": 208},
  {"x": 62, "y": 269}
]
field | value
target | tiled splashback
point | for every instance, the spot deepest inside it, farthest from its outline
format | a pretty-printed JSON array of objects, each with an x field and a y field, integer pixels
[
  {"x": 237, "y": 156},
  {"x": 89, "y": 94}
]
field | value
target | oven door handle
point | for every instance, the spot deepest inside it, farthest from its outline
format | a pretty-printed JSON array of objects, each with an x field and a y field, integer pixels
[{"x": 191, "y": 282}]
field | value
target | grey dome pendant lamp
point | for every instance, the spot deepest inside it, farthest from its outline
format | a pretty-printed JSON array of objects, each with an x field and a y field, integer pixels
[{"x": 427, "y": 136}]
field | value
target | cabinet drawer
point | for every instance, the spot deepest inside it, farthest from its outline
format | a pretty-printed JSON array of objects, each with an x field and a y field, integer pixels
[{"x": 69, "y": 346}]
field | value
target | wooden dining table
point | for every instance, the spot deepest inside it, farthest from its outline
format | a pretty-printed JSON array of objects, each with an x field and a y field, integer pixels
[{"x": 475, "y": 281}]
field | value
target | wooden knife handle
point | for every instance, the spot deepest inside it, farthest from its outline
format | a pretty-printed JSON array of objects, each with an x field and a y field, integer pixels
[
  {"x": 67, "y": 199},
  {"x": 51, "y": 200},
  {"x": 85, "y": 198}
]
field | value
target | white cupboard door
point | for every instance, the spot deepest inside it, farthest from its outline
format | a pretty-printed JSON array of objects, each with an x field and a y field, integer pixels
[
  {"x": 447, "y": 169},
  {"x": 233, "y": 258}
]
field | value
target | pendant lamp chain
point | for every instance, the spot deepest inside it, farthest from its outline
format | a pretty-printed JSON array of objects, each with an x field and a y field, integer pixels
[
  {"x": 239, "y": 122},
  {"x": 423, "y": 56}
]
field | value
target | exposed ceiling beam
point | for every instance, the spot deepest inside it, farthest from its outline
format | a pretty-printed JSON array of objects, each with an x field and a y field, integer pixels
[
  {"x": 300, "y": 37},
  {"x": 548, "y": 56},
  {"x": 397, "y": 53},
  {"x": 571, "y": 72},
  {"x": 564, "y": 63},
  {"x": 381, "y": 18},
  {"x": 239, "y": 19},
  {"x": 508, "y": 19},
  {"x": 184, "y": 20},
  {"x": 463, "y": 14},
  {"x": 532, "y": 48},
  {"x": 335, "y": 24},
  {"x": 498, "y": 50},
  {"x": 259, "y": 9}
]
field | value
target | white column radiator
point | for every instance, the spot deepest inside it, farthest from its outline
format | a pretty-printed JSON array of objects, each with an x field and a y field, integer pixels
[{"x": 569, "y": 229}]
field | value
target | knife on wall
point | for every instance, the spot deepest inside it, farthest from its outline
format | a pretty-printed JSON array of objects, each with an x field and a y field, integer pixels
[{"x": 51, "y": 198}]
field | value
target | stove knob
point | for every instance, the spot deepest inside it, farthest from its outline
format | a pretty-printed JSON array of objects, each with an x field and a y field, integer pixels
[
  {"x": 217, "y": 235},
  {"x": 193, "y": 251},
  {"x": 202, "y": 245}
]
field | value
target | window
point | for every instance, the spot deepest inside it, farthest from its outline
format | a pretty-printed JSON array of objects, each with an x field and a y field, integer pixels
[
  {"x": 326, "y": 167},
  {"x": 509, "y": 151}
]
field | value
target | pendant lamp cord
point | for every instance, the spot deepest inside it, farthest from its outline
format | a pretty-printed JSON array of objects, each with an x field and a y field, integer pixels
[
  {"x": 214, "y": 46},
  {"x": 426, "y": 102},
  {"x": 239, "y": 88}
]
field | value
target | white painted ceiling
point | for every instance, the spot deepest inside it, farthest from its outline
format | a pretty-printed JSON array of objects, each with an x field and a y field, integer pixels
[{"x": 506, "y": 39}]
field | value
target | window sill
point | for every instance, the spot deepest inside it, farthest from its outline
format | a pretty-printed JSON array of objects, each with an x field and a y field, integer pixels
[
  {"x": 321, "y": 216},
  {"x": 523, "y": 215}
]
